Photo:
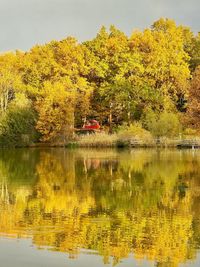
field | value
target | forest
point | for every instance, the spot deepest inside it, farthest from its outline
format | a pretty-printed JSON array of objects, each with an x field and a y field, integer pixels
[{"x": 148, "y": 81}]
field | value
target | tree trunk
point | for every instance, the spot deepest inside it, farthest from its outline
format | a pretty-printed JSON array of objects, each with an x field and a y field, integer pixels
[{"x": 110, "y": 121}]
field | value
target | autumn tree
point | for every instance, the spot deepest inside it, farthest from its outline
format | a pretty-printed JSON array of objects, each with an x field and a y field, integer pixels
[
  {"x": 116, "y": 70},
  {"x": 192, "y": 47},
  {"x": 56, "y": 62},
  {"x": 164, "y": 59},
  {"x": 55, "y": 107},
  {"x": 9, "y": 79},
  {"x": 193, "y": 112}
]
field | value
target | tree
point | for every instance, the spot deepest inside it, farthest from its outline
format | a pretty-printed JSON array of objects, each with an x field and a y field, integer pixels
[
  {"x": 193, "y": 111},
  {"x": 195, "y": 52},
  {"x": 192, "y": 47},
  {"x": 55, "y": 107},
  {"x": 9, "y": 80},
  {"x": 165, "y": 61},
  {"x": 117, "y": 69},
  {"x": 54, "y": 63}
]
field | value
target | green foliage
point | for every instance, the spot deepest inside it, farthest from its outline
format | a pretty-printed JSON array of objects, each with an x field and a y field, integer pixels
[
  {"x": 189, "y": 132},
  {"x": 192, "y": 46},
  {"x": 165, "y": 124},
  {"x": 134, "y": 131},
  {"x": 193, "y": 111},
  {"x": 17, "y": 127},
  {"x": 133, "y": 134}
]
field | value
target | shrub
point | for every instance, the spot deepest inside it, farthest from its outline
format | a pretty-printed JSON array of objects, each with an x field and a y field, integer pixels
[
  {"x": 134, "y": 131},
  {"x": 17, "y": 127},
  {"x": 165, "y": 124},
  {"x": 190, "y": 132}
]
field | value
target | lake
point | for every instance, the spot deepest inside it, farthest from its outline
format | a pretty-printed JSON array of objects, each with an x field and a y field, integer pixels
[{"x": 87, "y": 207}]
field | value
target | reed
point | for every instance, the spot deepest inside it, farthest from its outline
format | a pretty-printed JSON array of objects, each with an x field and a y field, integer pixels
[{"x": 97, "y": 140}]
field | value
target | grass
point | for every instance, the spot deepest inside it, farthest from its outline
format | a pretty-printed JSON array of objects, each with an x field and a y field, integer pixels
[
  {"x": 115, "y": 140},
  {"x": 97, "y": 140}
]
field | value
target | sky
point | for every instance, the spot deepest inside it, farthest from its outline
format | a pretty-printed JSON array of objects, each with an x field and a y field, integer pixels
[{"x": 24, "y": 23}]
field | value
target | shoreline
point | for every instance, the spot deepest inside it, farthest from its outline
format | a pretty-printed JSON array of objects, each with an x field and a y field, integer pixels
[{"x": 74, "y": 145}]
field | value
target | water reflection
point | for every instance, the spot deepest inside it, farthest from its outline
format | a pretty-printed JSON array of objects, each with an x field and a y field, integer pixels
[{"x": 143, "y": 203}]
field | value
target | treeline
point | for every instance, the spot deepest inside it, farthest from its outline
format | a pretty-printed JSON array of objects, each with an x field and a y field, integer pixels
[{"x": 151, "y": 76}]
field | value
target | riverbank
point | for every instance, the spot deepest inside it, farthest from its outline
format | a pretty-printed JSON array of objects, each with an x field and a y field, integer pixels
[{"x": 113, "y": 141}]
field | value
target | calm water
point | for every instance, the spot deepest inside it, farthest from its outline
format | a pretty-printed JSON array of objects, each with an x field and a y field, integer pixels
[{"x": 99, "y": 208}]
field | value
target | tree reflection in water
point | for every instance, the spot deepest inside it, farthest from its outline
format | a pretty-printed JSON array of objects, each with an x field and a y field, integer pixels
[{"x": 143, "y": 203}]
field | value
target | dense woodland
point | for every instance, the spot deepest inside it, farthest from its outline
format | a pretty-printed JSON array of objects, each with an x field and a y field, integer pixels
[{"x": 151, "y": 78}]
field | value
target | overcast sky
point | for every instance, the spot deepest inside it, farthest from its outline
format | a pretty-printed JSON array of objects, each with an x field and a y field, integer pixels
[{"x": 24, "y": 23}]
